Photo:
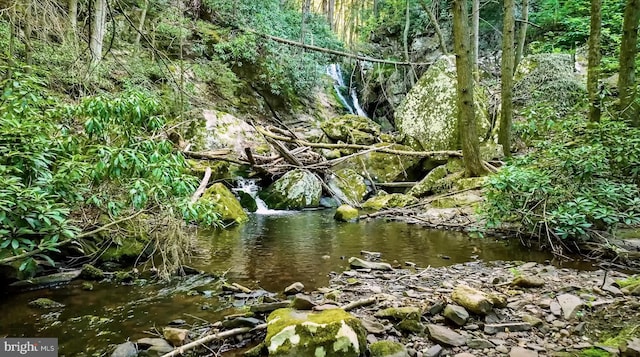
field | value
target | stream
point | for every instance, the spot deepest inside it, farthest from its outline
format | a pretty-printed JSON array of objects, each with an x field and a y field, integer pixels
[{"x": 269, "y": 252}]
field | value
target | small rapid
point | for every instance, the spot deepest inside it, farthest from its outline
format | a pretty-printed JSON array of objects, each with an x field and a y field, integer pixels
[{"x": 251, "y": 188}]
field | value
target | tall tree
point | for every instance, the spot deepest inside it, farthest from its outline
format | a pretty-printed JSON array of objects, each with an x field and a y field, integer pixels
[
  {"x": 436, "y": 26},
  {"x": 593, "y": 70},
  {"x": 466, "y": 109},
  {"x": 405, "y": 42},
  {"x": 506, "y": 77},
  {"x": 475, "y": 38},
  {"x": 98, "y": 28},
  {"x": 628, "y": 50},
  {"x": 522, "y": 35}
]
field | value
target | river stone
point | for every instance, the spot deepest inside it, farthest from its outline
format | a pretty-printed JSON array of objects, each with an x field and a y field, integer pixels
[
  {"x": 155, "y": 344},
  {"x": 456, "y": 314},
  {"x": 433, "y": 351},
  {"x": 89, "y": 272},
  {"x": 463, "y": 199},
  {"x": 348, "y": 186},
  {"x": 294, "y": 288},
  {"x": 570, "y": 305},
  {"x": 352, "y": 129},
  {"x": 269, "y": 306},
  {"x": 382, "y": 167},
  {"x": 346, "y": 213},
  {"x": 630, "y": 348},
  {"x": 226, "y": 203},
  {"x": 373, "y": 327},
  {"x": 302, "y": 302},
  {"x": 428, "y": 115},
  {"x": 410, "y": 326},
  {"x": 45, "y": 303},
  {"x": 386, "y": 200},
  {"x": 297, "y": 189},
  {"x": 445, "y": 336},
  {"x": 334, "y": 332},
  {"x": 127, "y": 349},
  {"x": 528, "y": 281},
  {"x": 464, "y": 354},
  {"x": 400, "y": 313},
  {"x": 492, "y": 329},
  {"x": 363, "y": 264},
  {"x": 479, "y": 344},
  {"x": 388, "y": 349},
  {"x": 241, "y": 322},
  {"x": 177, "y": 336},
  {"x": 522, "y": 352},
  {"x": 471, "y": 299}
]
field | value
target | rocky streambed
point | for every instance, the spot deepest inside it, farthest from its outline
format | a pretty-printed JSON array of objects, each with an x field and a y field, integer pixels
[{"x": 472, "y": 309}]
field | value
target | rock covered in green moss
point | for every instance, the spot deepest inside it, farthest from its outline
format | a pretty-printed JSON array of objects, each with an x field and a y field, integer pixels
[
  {"x": 463, "y": 199},
  {"x": 297, "y": 189},
  {"x": 89, "y": 272},
  {"x": 388, "y": 349},
  {"x": 125, "y": 249},
  {"x": 227, "y": 205},
  {"x": 46, "y": 303},
  {"x": 428, "y": 184},
  {"x": 352, "y": 129},
  {"x": 348, "y": 185},
  {"x": 428, "y": 115},
  {"x": 346, "y": 213},
  {"x": 329, "y": 333},
  {"x": 386, "y": 200},
  {"x": 400, "y": 313},
  {"x": 224, "y": 130},
  {"x": 383, "y": 167}
]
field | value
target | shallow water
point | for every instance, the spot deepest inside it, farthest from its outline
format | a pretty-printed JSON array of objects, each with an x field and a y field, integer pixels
[{"x": 269, "y": 252}]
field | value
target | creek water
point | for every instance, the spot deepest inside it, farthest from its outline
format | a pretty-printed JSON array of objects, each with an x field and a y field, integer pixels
[{"x": 268, "y": 252}]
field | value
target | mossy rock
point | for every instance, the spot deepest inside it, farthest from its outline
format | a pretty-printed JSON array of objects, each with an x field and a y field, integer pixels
[
  {"x": 400, "y": 313},
  {"x": 348, "y": 185},
  {"x": 346, "y": 213},
  {"x": 227, "y": 205},
  {"x": 429, "y": 113},
  {"x": 297, "y": 189},
  {"x": 89, "y": 272},
  {"x": 428, "y": 183},
  {"x": 464, "y": 199},
  {"x": 382, "y": 167},
  {"x": 220, "y": 170},
  {"x": 386, "y": 200},
  {"x": 123, "y": 250},
  {"x": 330, "y": 333},
  {"x": 45, "y": 303},
  {"x": 352, "y": 129},
  {"x": 410, "y": 326},
  {"x": 388, "y": 349}
]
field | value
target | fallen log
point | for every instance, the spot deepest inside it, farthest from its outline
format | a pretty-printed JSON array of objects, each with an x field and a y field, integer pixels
[
  {"x": 202, "y": 187},
  {"x": 218, "y": 336}
]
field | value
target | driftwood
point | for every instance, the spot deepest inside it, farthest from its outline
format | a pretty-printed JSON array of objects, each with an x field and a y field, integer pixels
[
  {"x": 218, "y": 336},
  {"x": 358, "y": 303},
  {"x": 202, "y": 187}
]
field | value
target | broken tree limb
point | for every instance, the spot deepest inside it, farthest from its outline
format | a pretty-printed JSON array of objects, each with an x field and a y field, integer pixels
[
  {"x": 213, "y": 155},
  {"x": 218, "y": 336},
  {"x": 358, "y": 303},
  {"x": 203, "y": 185},
  {"x": 359, "y": 147}
]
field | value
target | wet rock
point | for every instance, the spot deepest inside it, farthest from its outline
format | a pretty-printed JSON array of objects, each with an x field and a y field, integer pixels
[
  {"x": 46, "y": 280},
  {"x": 359, "y": 263},
  {"x": 532, "y": 320},
  {"x": 528, "y": 281},
  {"x": 332, "y": 332},
  {"x": 373, "y": 327},
  {"x": 410, "y": 326},
  {"x": 433, "y": 351},
  {"x": 400, "y": 313},
  {"x": 296, "y": 189},
  {"x": 89, "y": 272},
  {"x": 479, "y": 344},
  {"x": 446, "y": 336},
  {"x": 176, "y": 336},
  {"x": 123, "y": 277},
  {"x": 45, "y": 303},
  {"x": 630, "y": 348},
  {"x": 348, "y": 185},
  {"x": 241, "y": 322},
  {"x": 127, "y": 349},
  {"x": 352, "y": 129},
  {"x": 456, "y": 314},
  {"x": 473, "y": 300},
  {"x": 492, "y": 329},
  {"x": 269, "y": 306},
  {"x": 346, "y": 213},
  {"x": 388, "y": 200},
  {"x": 226, "y": 203},
  {"x": 158, "y": 345},
  {"x": 570, "y": 305},
  {"x": 522, "y": 352},
  {"x": 87, "y": 286},
  {"x": 388, "y": 349},
  {"x": 436, "y": 307},
  {"x": 294, "y": 288},
  {"x": 177, "y": 322},
  {"x": 302, "y": 302}
]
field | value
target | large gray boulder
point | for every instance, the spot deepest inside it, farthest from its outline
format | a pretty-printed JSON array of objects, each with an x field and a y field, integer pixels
[
  {"x": 297, "y": 189},
  {"x": 348, "y": 185},
  {"x": 383, "y": 167},
  {"x": 352, "y": 129},
  {"x": 428, "y": 115}
]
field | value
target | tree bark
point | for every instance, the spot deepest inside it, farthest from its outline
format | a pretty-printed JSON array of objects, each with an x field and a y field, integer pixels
[
  {"x": 330, "y": 9},
  {"x": 628, "y": 51},
  {"x": 506, "y": 117},
  {"x": 436, "y": 26},
  {"x": 522, "y": 38},
  {"x": 475, "y": 38},
  {"x": 98, "y": 27},
  {"x": 143, "y": 17},
  {"x": 466, "y": 109},
  {"x": 306, "y": 6},
  {"x": 405, "y": 40},
  {"x": 593, "y": 70},
  {"x": 73, "y": 17}
]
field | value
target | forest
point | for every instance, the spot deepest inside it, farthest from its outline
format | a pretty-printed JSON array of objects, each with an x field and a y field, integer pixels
[{"x": 131, "y": 129}]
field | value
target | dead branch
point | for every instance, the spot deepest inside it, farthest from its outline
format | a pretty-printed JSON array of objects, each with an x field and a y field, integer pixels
[
  {"x": 203, "y": 185},
  {"x": 358, "y": 303},
  {"x": 218, "y": 336}
]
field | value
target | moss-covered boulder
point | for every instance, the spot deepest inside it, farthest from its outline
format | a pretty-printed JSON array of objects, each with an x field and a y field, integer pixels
[
  {"x": 220, "y": 170},
  {"x": 428, "y": 184},
  {"x": 124, "y": 249},
  {"x": 227, "y": 205},
  {"x": 224, "y": 130},
  {"x": 45, "y": 303},
  {"x": 383, "y": 167},
  {"x": 389, "y": 200},
  {"x": 297, "y": 189},
  {"x": 90, "y": 272},
  {"x": 352, "y": 129},
  {"x": 346, "y": 213},
  {"x": 330, "y": 333},
  {"x": 388, "y": 349},
  {"x": 348, "y": 185},
  {"x": 428, "y": 115},
  {"x": 464, "y": 199}
]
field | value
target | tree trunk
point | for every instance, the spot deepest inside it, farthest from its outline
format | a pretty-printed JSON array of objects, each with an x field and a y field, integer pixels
[
  {"x": 330, "y": 10},
  {"x": 593, "y": 73},
  {"x": 98, "y": 27},
  {"x": 73, "y": 17},
  {"x": 436, "y": 26},
  {"x": 405, "y": 40},
  {"x": 466, "y": 109},
  {"x": 506, "y": 118},
  {"x": 475, "y": 38},
  {"x": 143, "y": 17},
  {"x": 628, "y": 51},
  {"x": 522, "y": 38},
  {"x": 306, "y": 5}
]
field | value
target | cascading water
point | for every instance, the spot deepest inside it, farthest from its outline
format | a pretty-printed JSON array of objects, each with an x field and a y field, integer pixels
[
  {"x": 352, "y": 104},
  {"x": 251, "y": 188}
]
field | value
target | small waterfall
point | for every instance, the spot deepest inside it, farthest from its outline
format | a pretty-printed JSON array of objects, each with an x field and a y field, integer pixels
[
  {"x": 352, "y": 104},
  {"x": 251, "y": 188}
]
